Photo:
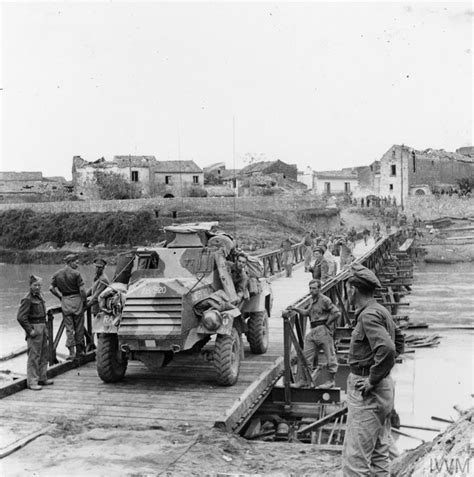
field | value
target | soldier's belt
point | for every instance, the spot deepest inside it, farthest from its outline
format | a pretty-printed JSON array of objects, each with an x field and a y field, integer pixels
[
  {"x": 360, "y": 370},
  {"x": 36, "y": 321}
]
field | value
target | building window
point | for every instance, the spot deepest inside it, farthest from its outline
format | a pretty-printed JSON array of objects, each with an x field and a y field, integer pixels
[
  {"x": 327, "y": 187},
  {"x": 167, "y": 179},
  {"x": 393, "y": 170},
  {"x": 390, "y": 186},
  {"x": 347, "y": 187},
  {"x": 195, "y": 179},
  {"x": 134, "y": 176},
  {"x": 371, "y": 168},
  {"x": 413, "y": 157}
]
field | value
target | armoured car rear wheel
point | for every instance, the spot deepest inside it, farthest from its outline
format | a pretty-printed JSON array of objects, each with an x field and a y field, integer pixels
[
  {"x": 111, "y": 362},
  {"x": 227, "y": 358},
  {"x": 257, "y": 334}
]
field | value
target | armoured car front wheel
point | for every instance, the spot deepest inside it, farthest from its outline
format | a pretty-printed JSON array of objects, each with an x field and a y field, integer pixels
[
  {"x": 227, "y": 358},
  {"x": 257, "y": 334},
  {"x": 111, "y": 362}
]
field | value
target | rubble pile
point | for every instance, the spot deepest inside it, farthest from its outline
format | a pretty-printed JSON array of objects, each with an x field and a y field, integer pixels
[{"x": 449, "y": 453}]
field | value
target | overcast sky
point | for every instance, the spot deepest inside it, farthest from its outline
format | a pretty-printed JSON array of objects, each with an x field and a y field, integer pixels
[{"x": 328, "y": 85}]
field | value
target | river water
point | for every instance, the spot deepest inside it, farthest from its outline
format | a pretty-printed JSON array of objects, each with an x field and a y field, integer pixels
[
  {"x": 13, "y": 286},
  {"x": 429, "y": 382}
]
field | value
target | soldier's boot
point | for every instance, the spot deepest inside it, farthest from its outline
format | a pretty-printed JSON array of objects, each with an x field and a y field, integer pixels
[
  {"x": 72, "y": 354},
  {"x": 330, "y": 383},
  {"x": 80, "y": 351},
  {"x": 35, "y": 387}
]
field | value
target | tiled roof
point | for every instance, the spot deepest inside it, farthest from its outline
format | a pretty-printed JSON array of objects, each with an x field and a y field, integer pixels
[
  {"x": 336, "y": 175},
  {"x": 134, "y": 161},
  {"x": 177, "y": 167}
]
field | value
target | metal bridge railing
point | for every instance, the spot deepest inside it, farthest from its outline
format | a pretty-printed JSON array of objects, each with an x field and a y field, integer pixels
[
  {"x": 294, "y": 326},
  {"x": 273, "y": 261}
]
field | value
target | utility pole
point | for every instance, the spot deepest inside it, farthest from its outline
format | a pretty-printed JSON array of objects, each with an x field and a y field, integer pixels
[{"x": 401, "y": 177}]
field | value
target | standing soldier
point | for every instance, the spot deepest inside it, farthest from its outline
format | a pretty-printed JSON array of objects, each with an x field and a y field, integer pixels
[
  {"x": 375, "y": 343},
  {"x": 68, "y": 286},
  {"x": 100, "y": 283},
  {"x": 32, "y": 317},
  {"x": 345, "y": 254},
  {"x": 308, "y": 251},
  {"x": 287, "y": 257},
  {"x": 322, "y": 314},
  {"x": 320, "y": 267}
]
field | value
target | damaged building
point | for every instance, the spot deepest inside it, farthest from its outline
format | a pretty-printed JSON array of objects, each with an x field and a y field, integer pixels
[
  {"x": 153, "y": 178},
  {"x": 286, "y": 171},
  {"x": 17, "y": 187},
  {"x": 405, "y": 171}
]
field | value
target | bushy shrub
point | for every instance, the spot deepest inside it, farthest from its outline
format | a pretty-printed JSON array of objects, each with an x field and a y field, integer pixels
[
  {"x": 113, "y": 186},
  {"x": 25, "y": 229},
  {"x": 197, "y": 191}
]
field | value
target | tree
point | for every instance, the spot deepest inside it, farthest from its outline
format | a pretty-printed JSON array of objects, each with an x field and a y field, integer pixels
[
  {"x": 212, "y": 179},
  {"x": 113, "y": 186},
  {"x": 466, "y": 184}
]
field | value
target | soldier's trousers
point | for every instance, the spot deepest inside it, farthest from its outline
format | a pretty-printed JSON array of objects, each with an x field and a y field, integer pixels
[
  {"x": 37, "y": 363},
  {"x": 308, "y": 256},
  {"x": 367, "y": 438},
  {"x": 74, "y": 329},
  {"x": 317, "y": 338}
]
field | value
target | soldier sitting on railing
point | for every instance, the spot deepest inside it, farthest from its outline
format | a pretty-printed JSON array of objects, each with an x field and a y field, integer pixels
[
  {"x": 322, "y": 314},
  {"x": 240, "y": 277}
]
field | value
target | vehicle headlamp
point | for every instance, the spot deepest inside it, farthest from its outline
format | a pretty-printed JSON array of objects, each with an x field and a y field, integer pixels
[{"x": 212, "y": 320}]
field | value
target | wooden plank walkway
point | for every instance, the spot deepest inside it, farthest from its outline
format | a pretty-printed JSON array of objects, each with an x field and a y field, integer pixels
[{"x": 183, "y": 393}]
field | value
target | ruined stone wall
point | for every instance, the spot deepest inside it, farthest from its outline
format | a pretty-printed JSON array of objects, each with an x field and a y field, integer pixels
[
  {"x": 217, "y": 204},
  {"x": 433, "y": 207},
  {"x": 21, "y": 176},
  {"x": 27, "y": 186},
  {"x": 85, "y": 184},
  {"x": 432, "y": 170}
]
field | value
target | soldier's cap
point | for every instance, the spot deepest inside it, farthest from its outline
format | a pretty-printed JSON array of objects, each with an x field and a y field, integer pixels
[
  {"x": 320, "y": 249},
  {"x": 362, "y": 277},
  {"x": 35, "y": 279},
  {"x": 71, "y": 257},
  {"x": 100, "y": 261},
  {"x": 314, "y": 281}
]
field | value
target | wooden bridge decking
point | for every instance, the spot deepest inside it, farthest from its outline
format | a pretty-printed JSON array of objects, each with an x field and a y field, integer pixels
[{"x": 184, "y": 392}]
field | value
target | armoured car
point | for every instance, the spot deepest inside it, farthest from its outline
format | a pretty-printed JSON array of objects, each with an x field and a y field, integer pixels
[{"x": 179, "y": 297}]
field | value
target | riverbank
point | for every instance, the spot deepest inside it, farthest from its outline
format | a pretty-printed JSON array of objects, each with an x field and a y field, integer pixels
[{"x": 32, "y": 237}]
